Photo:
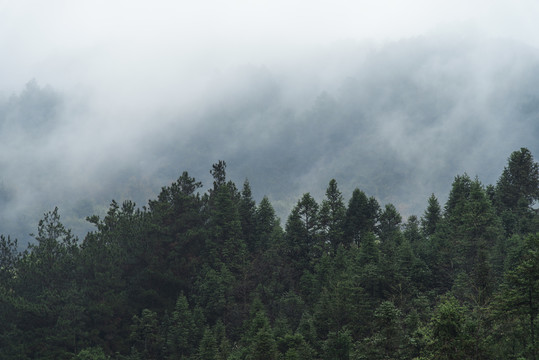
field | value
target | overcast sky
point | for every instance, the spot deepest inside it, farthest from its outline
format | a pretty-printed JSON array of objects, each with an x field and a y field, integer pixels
[
  {"x": 134, "y": 46},
  {"x": 134, "y": 60}
]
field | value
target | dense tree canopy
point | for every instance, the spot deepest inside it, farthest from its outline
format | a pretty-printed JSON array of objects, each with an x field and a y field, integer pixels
[{"x": 214, "y": 276}]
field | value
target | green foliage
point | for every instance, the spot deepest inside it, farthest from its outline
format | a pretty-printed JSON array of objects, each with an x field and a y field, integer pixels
[
  {"x": 388, "y": 340},
  {"x": 338, "y": 346},
  {"x": 92, "y": 353},
  {"x": 520, "y": 294},
  {"x": 146, "y": 335},
  {"x": 181, "y": 335},
  {"x": 332, "y": 216},
  {"x": 432, "y": 216},
  {"x": 361, "y": 217},
  {"x": 516, "y": 190},
  {"x": 214, "y": 276},
  {"x": 8, "y": 260},
  {"x": 208, "y": 347}
]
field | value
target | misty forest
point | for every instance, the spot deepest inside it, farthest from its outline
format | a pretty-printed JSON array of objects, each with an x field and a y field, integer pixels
[
  {"x": 378, "y": 200},
  {"x": 215, "y": 275},
  {"x": 277, "y": 180}
]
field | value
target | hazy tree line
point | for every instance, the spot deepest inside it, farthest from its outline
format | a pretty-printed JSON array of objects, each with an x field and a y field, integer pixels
[{"x": 215, "y": 275}]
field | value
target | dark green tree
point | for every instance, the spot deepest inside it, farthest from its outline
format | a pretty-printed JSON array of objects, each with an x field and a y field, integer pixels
[
  {"x": 208, "y": 349},
  {"x": 302, "y": 233},
  {"x": 225, "y": 243},
  {"x": 294, "y": 347},
  {"x": 361, "y": 217},
  {"x": 177, "y": 234},
  {"x": 447, "y": 332},
  {"x": 267, "y": 224},
  {"x": 181, "y": 335},
  {"x": 9, "y": 256},
  {"x": 263, "y": 346},
  {"x": 516, "y": 190},
  {"x": 520, "y": 294},
  {"x": 146, "y": 335},
  {"x": 333, "y": 216},
  {"x": 431, "y": 217},
  {"x": 519, "y": 181},
  {"x": 390, "y": 222},
  {"x": 388, "y": 340},
  {"x": 247, "y": 212},
  {"x": 338, "y": 346}
]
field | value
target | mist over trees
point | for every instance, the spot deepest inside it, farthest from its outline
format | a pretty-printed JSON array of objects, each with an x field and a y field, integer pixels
[
  {"x": 214, "y": 274},
  {"x": 398, "y": 120}
]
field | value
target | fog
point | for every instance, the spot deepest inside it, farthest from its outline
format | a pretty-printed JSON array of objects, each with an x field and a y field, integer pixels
[{"x": 103, "y": 102}]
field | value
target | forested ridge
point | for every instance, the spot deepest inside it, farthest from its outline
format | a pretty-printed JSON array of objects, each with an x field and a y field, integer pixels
[{"x": 215, "y": 275}]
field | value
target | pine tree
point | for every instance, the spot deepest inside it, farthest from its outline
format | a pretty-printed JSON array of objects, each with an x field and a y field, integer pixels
[
  {"x": 520, "y": 294},
  {"x": 208, "y": 346},
  {"x": 332, "y": 216},
  {"x": 361, "y": 217},
  {"x": 302, "y": 233},
  {"x": 473, "y": 230},
  {"x": 181, "y": 332},
  {"x": 516, "y": 190},
  {"x": 247, "y": 212},
  {"x": 225, "y": 243},
  {"x": 390, "y": 222},
  {"x": 266, "y": 224},
  {"x": 432, "y": 216}
]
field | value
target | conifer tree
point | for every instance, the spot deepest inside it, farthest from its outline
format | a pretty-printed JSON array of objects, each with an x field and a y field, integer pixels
[
  {"x": 361, "y": 217},
  {"x": 431, "y": 217},
  {"x": 516, "y": 190},
  {"x": 332, "y": 216},
  {"x": 302, "y": 232},
  {"x": 266, "y": 224},
  {"x": 520, "y": 294},
  {"x": 247, "y": 212},
  {"x": 208, "y": 349},
  {"x": 181, "y": 332}
]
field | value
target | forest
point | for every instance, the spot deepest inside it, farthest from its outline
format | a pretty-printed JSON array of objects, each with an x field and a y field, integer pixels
[{"x": 215, "y": 275}]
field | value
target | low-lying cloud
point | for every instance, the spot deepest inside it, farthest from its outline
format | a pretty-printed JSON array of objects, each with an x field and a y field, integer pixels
[{"x": 398, "y": 120}]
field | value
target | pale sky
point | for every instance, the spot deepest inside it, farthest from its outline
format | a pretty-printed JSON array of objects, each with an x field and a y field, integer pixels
[{"x": 98, "y": 43}]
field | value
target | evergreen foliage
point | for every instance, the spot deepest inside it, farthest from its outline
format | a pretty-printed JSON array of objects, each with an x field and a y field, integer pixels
[{"x": 215, "y": 276}]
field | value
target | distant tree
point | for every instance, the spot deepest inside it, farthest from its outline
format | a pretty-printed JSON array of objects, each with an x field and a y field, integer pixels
[
  {"x": 247, "y": 212},
  {"x": 208, "y": 349},
  {"x": 361, "y": 217},
  {"x": 333, "y": 216},
  {"x": 448, "y": 338},
  {"x": 9, "y": 256},
  {"x": 218, "y": 172},
  {"x": 390, "y": 239},
  {"x": 432, "y": 216},
  {"x": 520, "y": 294},
  {"x": 519, "y": 181},
  {"x": 263, "y": 346},
  {"x": 338, "y": 346},
  {"x": 225, "y": 243},
  {"x": 390, "y": 222},
  {"x": 146, "y": 335},
  {"x": 302, "y": 232},
  {"x": 412, "y": 231},
  {"x": 181, "y": 337},
  {"x": 388, "y": 340},
  {"x": 177, "y": 235},
  {"x": 266, "y": 224},
  {"x": 516, "y": 190},
  {"x": 54, "y": 256},
  {"x": 92, "y": 353},
  {"x": 294, "y": 347}
]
